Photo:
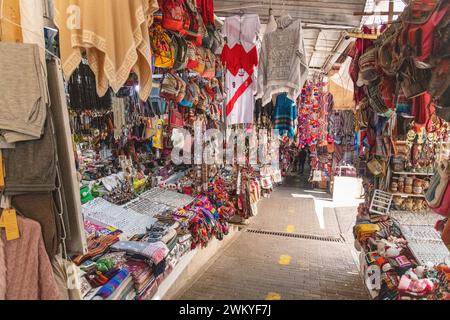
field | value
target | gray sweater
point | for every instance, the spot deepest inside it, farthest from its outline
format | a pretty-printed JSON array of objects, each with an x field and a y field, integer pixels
[{"x": 282, "y": 61}]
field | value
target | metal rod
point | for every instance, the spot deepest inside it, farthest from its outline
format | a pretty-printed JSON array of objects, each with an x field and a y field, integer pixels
[{"x": 384, "y": 13}]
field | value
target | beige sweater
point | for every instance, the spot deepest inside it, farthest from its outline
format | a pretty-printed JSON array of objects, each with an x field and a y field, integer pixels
[
  {"x": 25, "y": 269},
  {"x": 115, "y": 37}
]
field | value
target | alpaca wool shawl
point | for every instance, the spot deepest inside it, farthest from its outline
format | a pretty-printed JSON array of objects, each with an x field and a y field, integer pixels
[{"x": 115, "y": 37}]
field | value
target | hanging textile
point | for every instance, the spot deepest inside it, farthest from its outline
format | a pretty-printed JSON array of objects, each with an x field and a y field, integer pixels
[
  {"x": 83, "y": 93},
  {"x": 286, "y": 114},
  {"x": 240, "y": 57},
  {"x": 116, "y": 42},
  {"x": 10, "y": 31},
  {"x": 342, "y": 87},
  {"x": 41, "y": 208},
  {"x": 239, "y": 83},
  {"x": 31, "y": 165},
  {"x": 23, "y": 107},
  {"x": 282, "y": 65},
  {"x": 118, "y": 108},
  {"x": 32, "y": 22},
  {"x": 206, "y": 8},
  {"x": 242, "y": 30},
  {"x": 25, "y": 269}
]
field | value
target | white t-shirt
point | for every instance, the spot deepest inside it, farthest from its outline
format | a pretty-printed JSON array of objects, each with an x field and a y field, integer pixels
[{"x": 243, "y": 29}]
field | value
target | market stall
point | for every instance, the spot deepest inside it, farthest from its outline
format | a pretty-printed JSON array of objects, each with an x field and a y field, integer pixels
[
  {"x": 124, "y": 172},
  {"x": 403, "y": 133}
]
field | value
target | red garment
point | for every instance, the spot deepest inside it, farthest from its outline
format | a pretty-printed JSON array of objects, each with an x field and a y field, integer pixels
[
  {"x": 444, "y": 208},
  {"x": 236, "y": 58},
  {"x": 421, "y": 37},
  {"x": 446, "y": 233},
  {"x": 206, "y": 8},
  {"x": 360, "y": 46},
  {"x": 422, "y": 109}
]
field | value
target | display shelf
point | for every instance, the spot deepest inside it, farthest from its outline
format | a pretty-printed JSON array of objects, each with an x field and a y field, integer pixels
[
  {"x": 425, "y": 244},
  {"x": 421, "y": 218},
  {"x": 404, "y": 173}
]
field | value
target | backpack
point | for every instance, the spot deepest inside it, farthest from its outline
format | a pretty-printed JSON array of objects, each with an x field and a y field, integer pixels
[
  {"x": 162, "y": 48},
  {"x": 440, "y": 78},
  {"x": 442, "y": 32},
  {"x": 413, "y": 81},
  {"x": 390, "y": 55},
  {"x": 174, "y": 14},
  {"x": 200, "y": 56},
  {"x": 197, "y": 26},
  {"x": 176, "y": 118},
  {"x": 420, "y": 11},
  {"x": 188, "y": 100},
  {"x": 170, "y": 87},
  {"x": 180, "y": 46},
  {"x": 182, "y": 86},
  {"x": 216, "y": 40},
  {"x": 210, "y": 65},
  {"x": 421, "y": 30},
  {"x": 192, "y": 61}
]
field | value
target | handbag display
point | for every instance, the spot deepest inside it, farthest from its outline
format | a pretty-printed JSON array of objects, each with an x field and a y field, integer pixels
[
  {"x": 210, "y": 65},
  {"x": 413, "y": 80},
  {"x": 200, "y": 56},
  {"x": 162, "y": 47},
  {"x": 176, "y": 118},
  {"x": 170, "y": 87},
  {"x": 180, "y": 46},
  {"x": 174, "y": 14},
  {"x": 375, "y": 167}
]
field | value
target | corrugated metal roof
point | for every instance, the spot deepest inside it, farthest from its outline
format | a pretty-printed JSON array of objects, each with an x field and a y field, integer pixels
[{"x": 330, "y": 12}]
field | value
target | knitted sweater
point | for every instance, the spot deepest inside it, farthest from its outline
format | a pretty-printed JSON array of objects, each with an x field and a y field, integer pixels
[
  {"x": 282, "y": 62},
  {"x": 25, "y": 269}
]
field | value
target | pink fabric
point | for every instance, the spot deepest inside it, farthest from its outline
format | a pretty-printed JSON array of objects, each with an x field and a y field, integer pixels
[{"x": 26, "y": 266}]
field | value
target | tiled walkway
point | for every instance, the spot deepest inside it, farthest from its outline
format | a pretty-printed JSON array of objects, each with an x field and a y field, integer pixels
[{"x": 258, "y": 266}]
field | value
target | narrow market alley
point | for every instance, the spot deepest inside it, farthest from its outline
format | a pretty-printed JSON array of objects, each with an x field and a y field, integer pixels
[{"x": 297, "y": 247}]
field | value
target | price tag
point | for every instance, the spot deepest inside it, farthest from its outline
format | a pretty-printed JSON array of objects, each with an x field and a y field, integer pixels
[{"x": 8, "y": 220}]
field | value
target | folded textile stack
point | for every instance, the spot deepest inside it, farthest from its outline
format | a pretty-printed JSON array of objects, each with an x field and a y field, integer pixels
[
  {"x": 154, "y": 252},
  {"x": 143, "y": 277},
  {"x": 114, "y": 286},
  {"x": 23, "y": 115},
  {"x": 365, "y": 230},
  {"x": 404, "y": 275}
]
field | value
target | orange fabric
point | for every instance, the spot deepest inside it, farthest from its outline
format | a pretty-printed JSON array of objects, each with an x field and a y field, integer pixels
[{"x": 9, "y": 32}]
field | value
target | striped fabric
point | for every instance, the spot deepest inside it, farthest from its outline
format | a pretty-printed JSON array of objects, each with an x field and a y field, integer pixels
[{"x": 285, "y": 115}]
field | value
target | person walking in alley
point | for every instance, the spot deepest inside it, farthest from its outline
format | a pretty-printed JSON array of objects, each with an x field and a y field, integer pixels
[{"x": 303, "y": 154}]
